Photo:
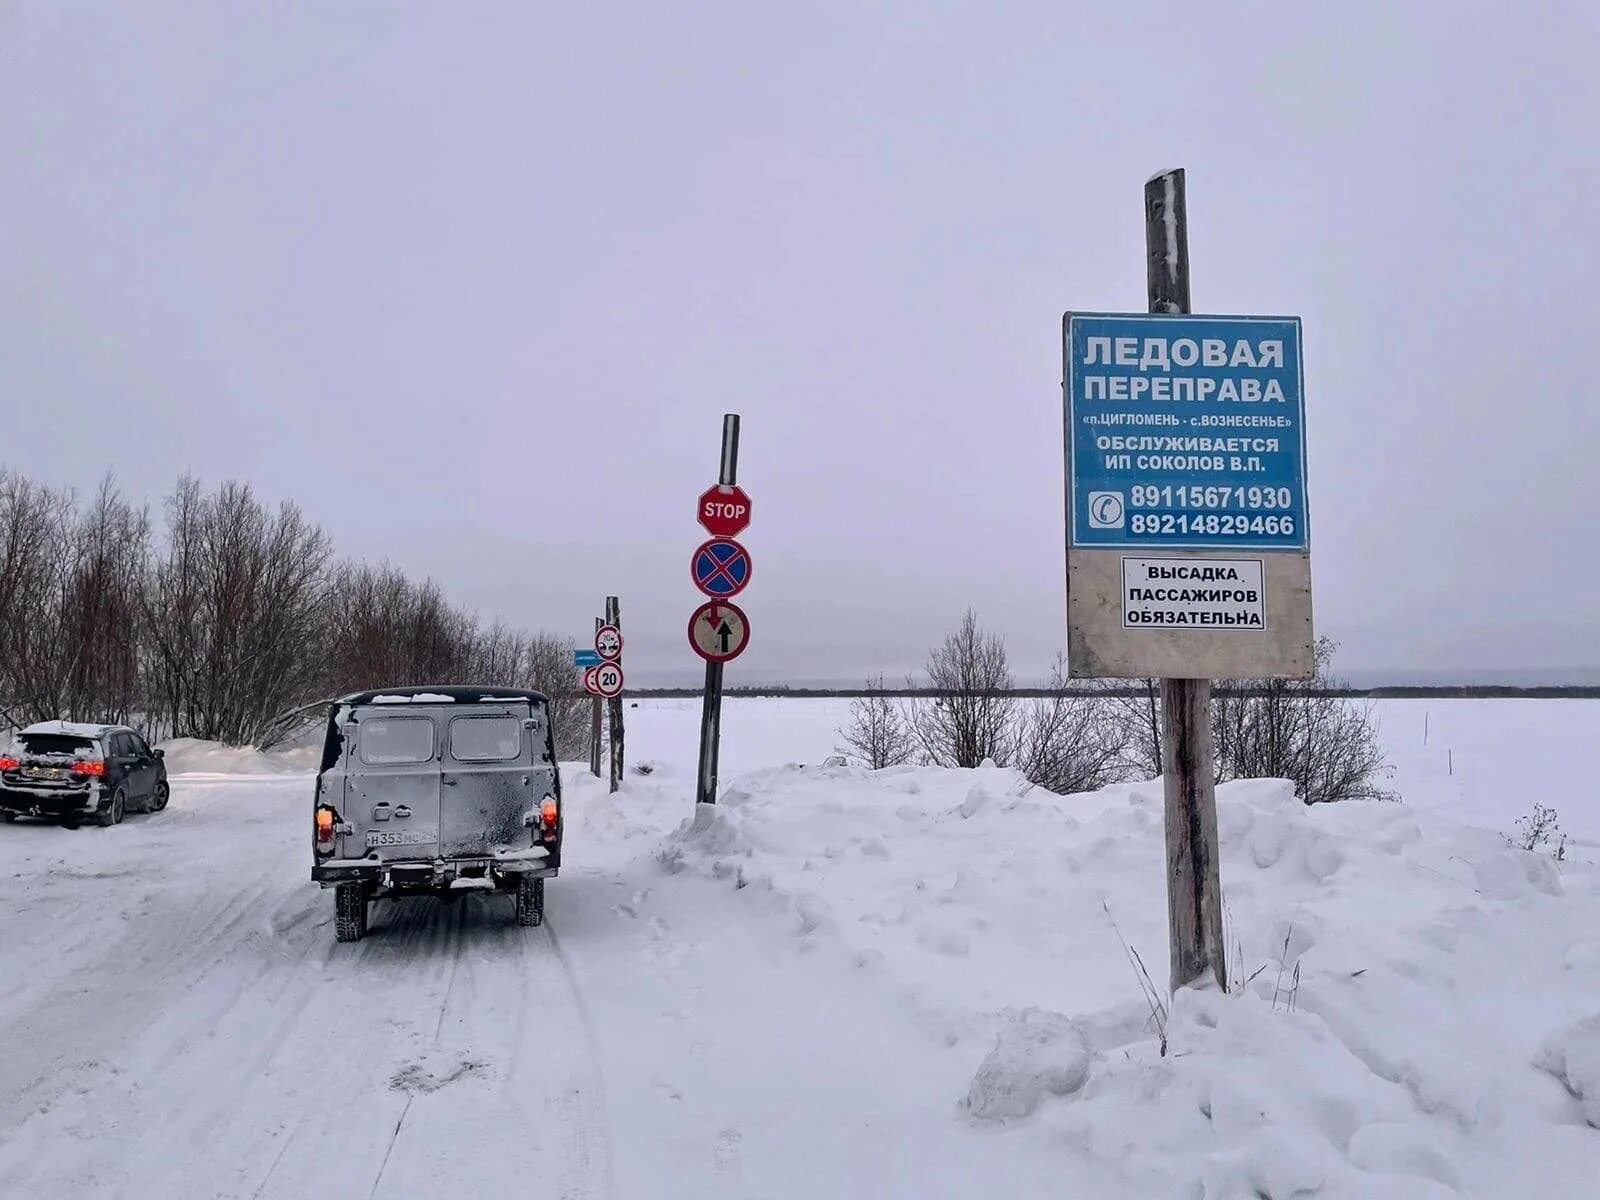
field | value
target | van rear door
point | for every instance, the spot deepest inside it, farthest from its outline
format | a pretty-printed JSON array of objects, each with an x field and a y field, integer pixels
[
  {"x": 489, "y": 779},
  {"x": 392, "y": 783}
]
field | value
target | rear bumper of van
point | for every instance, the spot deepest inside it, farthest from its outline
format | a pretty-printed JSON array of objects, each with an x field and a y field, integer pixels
[{"x": 437, "y": 875}]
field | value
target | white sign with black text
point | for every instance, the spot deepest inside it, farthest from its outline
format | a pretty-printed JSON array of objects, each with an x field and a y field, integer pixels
[{"x": 1213, "y": 594}]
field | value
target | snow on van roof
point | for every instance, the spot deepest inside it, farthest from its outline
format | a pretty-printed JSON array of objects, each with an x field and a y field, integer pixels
[{"x": 442, "y": 694}]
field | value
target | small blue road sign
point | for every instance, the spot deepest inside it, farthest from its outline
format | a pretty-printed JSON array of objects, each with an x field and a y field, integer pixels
[
  {"x": 585, "y": 658},
  {"x": 1185, "y": 432},
  {"x": 721, "y": 568}
]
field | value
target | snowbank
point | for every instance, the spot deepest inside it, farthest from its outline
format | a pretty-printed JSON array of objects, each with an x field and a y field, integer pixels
[
  {"x": 1401, "y": 1022},
  {"x": 199, "y": 760}
]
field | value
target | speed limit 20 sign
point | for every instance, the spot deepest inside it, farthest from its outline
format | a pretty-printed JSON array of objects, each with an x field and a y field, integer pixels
[{"x": 607, "y": 680}]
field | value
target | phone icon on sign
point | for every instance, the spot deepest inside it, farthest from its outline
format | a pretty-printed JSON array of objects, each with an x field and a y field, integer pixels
[{"x": 1105, "y": 510}]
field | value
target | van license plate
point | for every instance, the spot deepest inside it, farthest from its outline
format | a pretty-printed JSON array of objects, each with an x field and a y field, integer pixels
[{"x": 400, "y": 837}]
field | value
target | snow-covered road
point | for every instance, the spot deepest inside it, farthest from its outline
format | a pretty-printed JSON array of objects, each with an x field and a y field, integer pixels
[
  {"x": 188, "y": 1026},
  {"x": 176, "y": 1020}
]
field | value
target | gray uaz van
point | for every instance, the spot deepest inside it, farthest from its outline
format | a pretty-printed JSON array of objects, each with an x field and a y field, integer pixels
[{"x": 436, "y": 789}]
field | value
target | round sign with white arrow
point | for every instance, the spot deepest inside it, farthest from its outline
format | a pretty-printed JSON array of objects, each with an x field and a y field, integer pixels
[{"x": 719, "y": 631}]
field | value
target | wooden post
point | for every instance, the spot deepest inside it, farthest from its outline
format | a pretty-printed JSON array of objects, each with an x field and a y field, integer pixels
[
  {"x": 711, "y": 706},
  {"x": 1194, "y": 887},
  {"x": 595, "y": 722},
  {"x": 614, "y": 617}
]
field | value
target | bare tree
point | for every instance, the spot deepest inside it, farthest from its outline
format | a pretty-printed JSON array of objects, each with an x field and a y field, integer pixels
[
  {"x": 70, "y": 599},
  {"x": 547, "y": 667},
  {"x": 970, "y": 716},
  {"x": 1138, "y": 712},
  {"x": 1292, "y": 729},
  {"x": 1071, "y": 741},
  {"x": 878, "y": 734},
  {"x": 235, "y": 612},
  {"x": 236, "y": 628}
]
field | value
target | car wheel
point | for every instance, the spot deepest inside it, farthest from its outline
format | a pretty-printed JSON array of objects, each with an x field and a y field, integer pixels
[
  {"x": 530, "y": 901},
  {"x": 118, "y": 809},
  {"x": 7, "y": 816},
  {"x": 350, "y": 912},
  {"x": 159, "y": 797}
]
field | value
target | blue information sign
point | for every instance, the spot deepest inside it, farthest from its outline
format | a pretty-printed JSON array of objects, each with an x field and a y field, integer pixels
[
  {"x": 583, "y": 659},
  {"x": 1185, "y": 432}
]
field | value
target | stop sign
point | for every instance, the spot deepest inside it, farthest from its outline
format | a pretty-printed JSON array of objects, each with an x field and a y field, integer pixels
[{"x": 724, "y": 510}]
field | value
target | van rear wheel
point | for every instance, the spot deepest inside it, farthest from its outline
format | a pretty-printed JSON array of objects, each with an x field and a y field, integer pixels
[
  {"x": 350, "y": 912},
  {"x": 530, "y": 901}
]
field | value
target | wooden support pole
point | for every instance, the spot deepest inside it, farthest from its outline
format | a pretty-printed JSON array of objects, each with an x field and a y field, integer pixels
[
  {"x": 711, "y": 705},
  {"x": 595, "y": 722},
  {"x": 1194, "y": 887},
  {"x": 614, "y": 617}
]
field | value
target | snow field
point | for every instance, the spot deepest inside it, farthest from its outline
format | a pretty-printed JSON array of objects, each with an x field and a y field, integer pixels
[
  {"x": 835, "y": 983},
  {"x": 1437, "y": 1040}
]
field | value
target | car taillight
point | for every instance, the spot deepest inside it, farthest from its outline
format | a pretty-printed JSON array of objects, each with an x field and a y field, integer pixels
[
  {"x": 7, "y": 763},
  {"x": 549, "y": 817},
  {"x": 89, "y": 767},
  {"x": 325, "y": 819}
]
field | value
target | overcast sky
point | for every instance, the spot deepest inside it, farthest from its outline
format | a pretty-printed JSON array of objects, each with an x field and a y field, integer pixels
[{"x": 473, "y": 285}]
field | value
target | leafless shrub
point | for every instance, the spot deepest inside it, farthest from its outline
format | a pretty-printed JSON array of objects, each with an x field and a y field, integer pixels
[
  {"x": 879, "y": 734},
  {"x": 970, "y": 716},
  {"x": 1540, "y": 830},
  {"x": 1069, "y": 742},
  {"x": 1291, "y": 729},
  {"x": 1147, "y": 987}
]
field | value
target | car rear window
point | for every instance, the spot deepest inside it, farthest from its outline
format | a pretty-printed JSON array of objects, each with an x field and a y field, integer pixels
[
  {"x": 385, "y": 741},
  {"x": 485, "y": 739},
  {"x": 57, "y": 743}
]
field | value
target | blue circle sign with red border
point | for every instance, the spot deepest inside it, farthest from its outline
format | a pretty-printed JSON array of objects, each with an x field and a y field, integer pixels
[{"x": 721, "y": 568}]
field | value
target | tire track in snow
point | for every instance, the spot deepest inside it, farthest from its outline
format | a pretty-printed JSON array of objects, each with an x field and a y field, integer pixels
[{"x": 512, "y": 1031}]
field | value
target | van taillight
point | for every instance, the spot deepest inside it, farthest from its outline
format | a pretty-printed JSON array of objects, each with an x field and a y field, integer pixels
[
  {"x": 549, "y": 817},
  {"x": 325, "y": 819},
  {"x": 7, "y": 763},
  {"x": 94, "y": 767}
]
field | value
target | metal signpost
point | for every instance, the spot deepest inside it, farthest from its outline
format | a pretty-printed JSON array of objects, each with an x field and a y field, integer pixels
[
  {"x": 1188, "y": 548},
  {"x": 608, "y": 681},
  {"x": 718, "y": 631},
  {"x": 586, "y": 661}
]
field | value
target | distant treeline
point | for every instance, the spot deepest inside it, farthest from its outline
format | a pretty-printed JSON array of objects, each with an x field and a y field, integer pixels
[
  {"x": 230, "y": 616},
  {"x": 1402, "y": 692}
]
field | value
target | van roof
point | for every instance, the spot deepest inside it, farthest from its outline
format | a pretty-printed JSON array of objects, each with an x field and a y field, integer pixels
[{"x": 442, "y": 694}]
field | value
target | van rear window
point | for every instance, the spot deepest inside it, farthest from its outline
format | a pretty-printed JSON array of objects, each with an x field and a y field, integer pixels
[
  {"x": 485, "y": 739},
  {"x": 386, "y": 741}
]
